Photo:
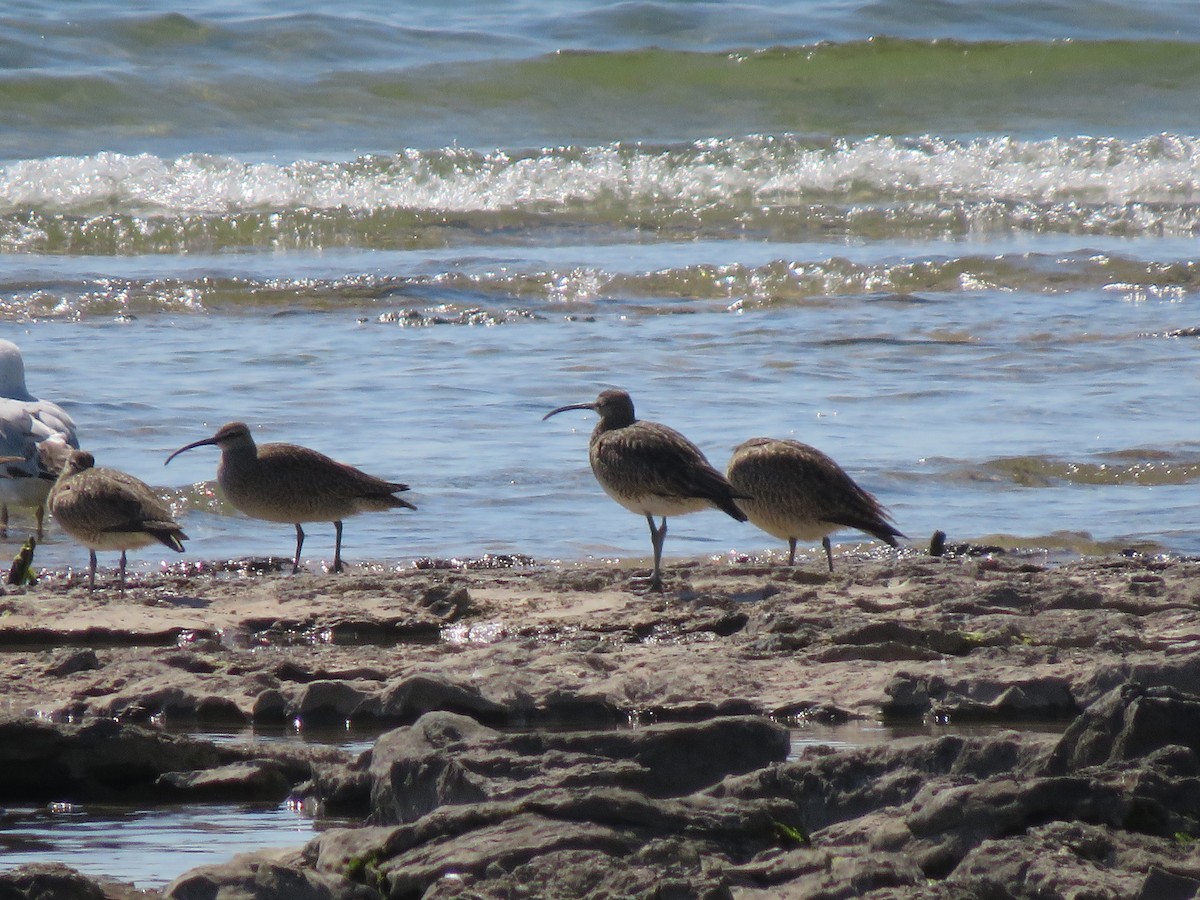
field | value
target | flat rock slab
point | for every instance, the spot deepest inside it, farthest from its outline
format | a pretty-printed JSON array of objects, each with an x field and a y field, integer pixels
[{"x": 1000, "y": 639}]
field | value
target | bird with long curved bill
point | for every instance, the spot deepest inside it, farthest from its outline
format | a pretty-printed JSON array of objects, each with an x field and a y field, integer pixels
[
  {"x": 651, "y": 470},
  {"x": 293, "y": 484}
]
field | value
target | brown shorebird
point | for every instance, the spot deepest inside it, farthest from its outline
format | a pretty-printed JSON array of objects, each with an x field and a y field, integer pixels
[
  {"x": 287, "y": 483},
  {"x": 651, "y": 469},
  {"x": 25, "y": 424},
  {"x": 796, "y": 492},
  {"x": 106, "y": 509}
]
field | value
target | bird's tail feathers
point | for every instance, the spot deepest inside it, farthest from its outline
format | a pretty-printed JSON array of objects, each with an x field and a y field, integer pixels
[
  {"x": 731, "y": 508},
  {"x": 877, "y": 529},
  {"x": 170, "y": 536}
]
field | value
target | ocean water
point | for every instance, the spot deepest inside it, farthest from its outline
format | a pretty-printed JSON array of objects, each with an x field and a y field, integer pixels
[{"x": 952, "y": 244}]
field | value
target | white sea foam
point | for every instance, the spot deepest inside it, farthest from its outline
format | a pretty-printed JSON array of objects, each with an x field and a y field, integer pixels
[{"x": 743, "y": 174}]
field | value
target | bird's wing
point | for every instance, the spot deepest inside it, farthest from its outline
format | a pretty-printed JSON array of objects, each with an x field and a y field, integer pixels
[
  {"x": 17, "y": 441},
  {"x": 50, "y": 419}
]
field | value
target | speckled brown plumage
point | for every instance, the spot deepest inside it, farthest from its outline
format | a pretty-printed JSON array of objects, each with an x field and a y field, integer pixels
[
  {"x": 107, "y": 509},
  {"x": 289, "y": 483},
  {"x": 651, "y": 469},
  {"x": 796, "y": 492}
]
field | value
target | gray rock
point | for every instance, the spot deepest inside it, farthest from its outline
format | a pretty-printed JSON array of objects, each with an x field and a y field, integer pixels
[
  {"x": 324, "y": 703},
  {"x": 264, "y": 876},
  {"x": 1129, "y": 723},
  {"x": 43, "y": 761},
  {"x": 979, "y": 699},
  {"x": 843, "y": 786},
  {"x": 68, "y": 662},
  {"x": 255, "y": 779},
  {"x": 410, "y": 698},
  {"x": 449, "y": 759},
  {"x": 597, "y": 826},
  {"x": 1072, "y": 859},
  {"x": 848, "y": 872},
  {"x": 1163, "y": 885},
  {"x": 52, "y": 881},
  {"x": 948, "y": 820}
]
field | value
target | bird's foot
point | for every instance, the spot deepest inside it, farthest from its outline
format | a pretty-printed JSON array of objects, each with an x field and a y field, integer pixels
[{"x": 652, "y": 584}]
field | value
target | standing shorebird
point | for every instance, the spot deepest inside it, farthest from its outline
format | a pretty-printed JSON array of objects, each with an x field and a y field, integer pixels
[
  {"x": 796, "y": 492},
  {"x": 287, "y": 483},
  {"x": 25, "y": 423},
  {"x": 107, "y": 509},
  {"x": 651, "y": 469}
]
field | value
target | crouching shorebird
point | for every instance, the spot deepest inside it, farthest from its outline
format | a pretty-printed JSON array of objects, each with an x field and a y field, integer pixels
[
  {"x": 651, "y": 469},
  {"x": 795, "y": 492},
  {"x": 107, "y": 509},
  {"x": 25, "y": 424},
  {"x": 288, "y": 483}
]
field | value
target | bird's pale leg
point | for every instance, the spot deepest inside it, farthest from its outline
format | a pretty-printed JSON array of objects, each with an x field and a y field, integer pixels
[
  {"x": 657, "y": 538},
  {"x": 791, "y": 551},
  {"x": 121, "y": 574},
  {"x": 299, "y": 544},
  {"x": 828, "y": 551},
  {"x": 91, "y": 570},
  {"x": 337, "y": 547}
]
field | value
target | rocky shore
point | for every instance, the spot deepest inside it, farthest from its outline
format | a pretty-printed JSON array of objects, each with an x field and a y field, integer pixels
[{"x": 503, "y": 692}]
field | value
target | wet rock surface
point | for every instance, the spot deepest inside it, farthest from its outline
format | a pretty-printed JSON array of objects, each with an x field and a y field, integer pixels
[{"x": 507, "y": 767}]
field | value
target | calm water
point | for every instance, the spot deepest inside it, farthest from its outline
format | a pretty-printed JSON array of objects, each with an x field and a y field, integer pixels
[
  {"x": 148, "y": 847},
  {"x": 953, "y": 244}
]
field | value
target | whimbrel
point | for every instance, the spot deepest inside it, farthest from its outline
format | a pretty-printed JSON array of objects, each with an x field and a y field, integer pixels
[
  {"x": 288, "y": 483},
  {"x": 651, "y": 469},
  {"x": 107, "y": 509},
  {"x": 25, "y": 422},
  {"x": 796, "y": 492}
]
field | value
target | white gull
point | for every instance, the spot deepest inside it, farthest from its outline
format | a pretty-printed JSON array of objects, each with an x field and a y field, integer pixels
[{"x": 36, "y": 432}]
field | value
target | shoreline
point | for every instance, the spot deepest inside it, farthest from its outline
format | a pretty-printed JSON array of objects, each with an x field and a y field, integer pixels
[{"x": 457, "y": 668}]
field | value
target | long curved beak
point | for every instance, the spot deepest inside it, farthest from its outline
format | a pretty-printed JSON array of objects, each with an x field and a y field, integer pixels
[
  {"x": 555, "y": 412},
  {"x": 207, "y": 442}
]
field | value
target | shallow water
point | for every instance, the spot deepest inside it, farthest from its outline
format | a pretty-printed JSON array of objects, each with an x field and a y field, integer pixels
[{"x": 148, "y": 847}]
